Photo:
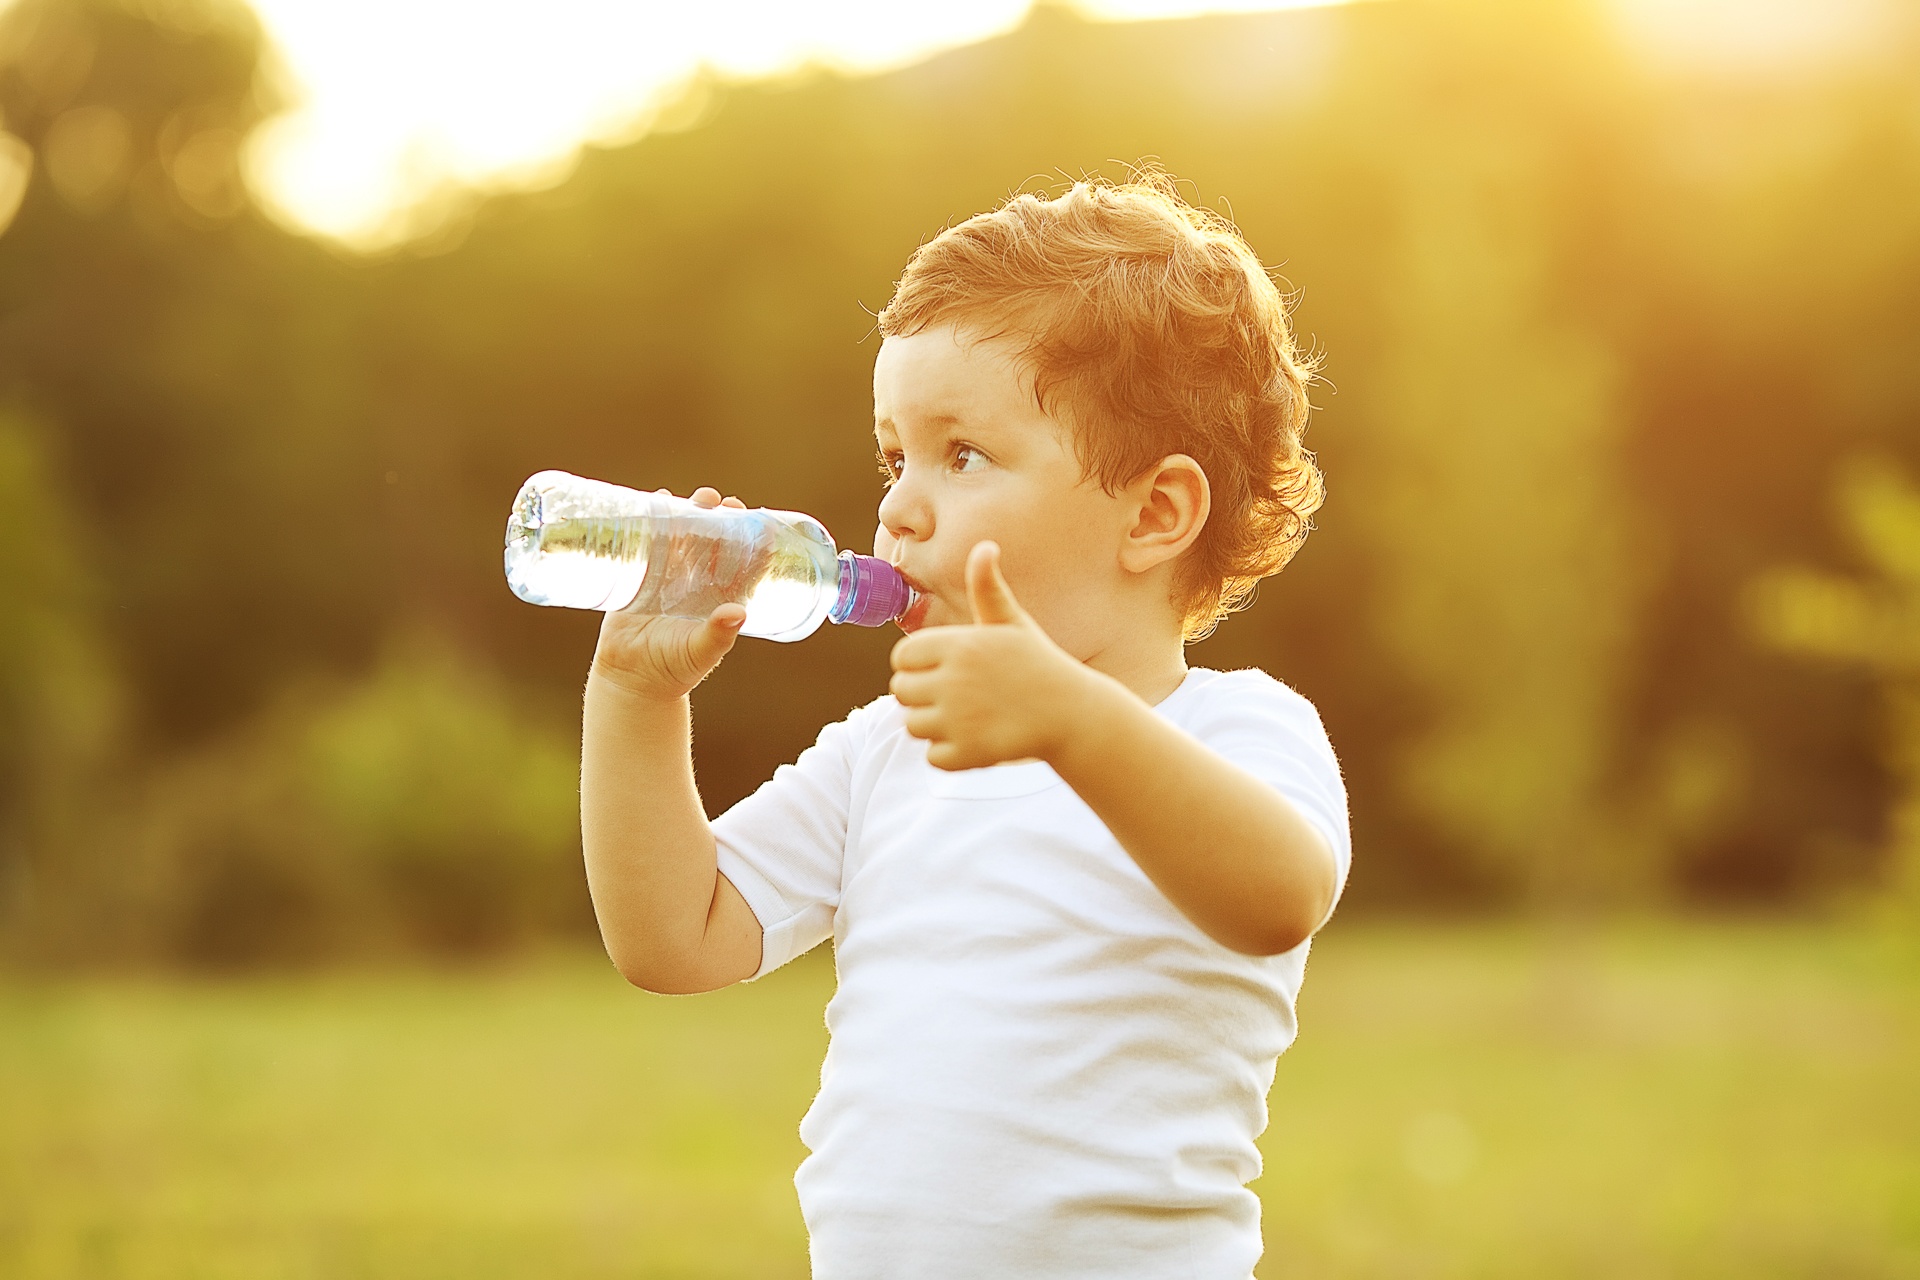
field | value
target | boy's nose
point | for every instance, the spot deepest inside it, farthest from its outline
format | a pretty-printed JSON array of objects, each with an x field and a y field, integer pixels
[{"x": 903, "y": 514}]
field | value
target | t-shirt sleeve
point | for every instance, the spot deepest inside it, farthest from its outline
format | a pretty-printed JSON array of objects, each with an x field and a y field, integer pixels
[
  {"x": 1275, "y": 734},
  {"x": 783, "y": 845}
]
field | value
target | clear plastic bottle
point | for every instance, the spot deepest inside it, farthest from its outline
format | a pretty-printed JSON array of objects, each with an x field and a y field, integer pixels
[{"x": 586, "y": 544}]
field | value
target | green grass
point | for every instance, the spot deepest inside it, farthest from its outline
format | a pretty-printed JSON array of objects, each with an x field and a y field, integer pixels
[{"x": 1665, "y": 1100}]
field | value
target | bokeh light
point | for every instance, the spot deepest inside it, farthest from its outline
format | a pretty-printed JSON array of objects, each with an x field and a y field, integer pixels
[{"x": 397, "y": 98}]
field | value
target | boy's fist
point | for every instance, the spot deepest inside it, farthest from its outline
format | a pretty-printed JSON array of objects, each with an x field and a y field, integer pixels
[
  {"x": 995, "y": 691},
  {"x": 665, "y": 657}
]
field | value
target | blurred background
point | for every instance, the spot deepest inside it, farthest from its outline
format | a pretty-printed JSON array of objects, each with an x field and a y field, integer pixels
[{"x": 1613, "y": 612}]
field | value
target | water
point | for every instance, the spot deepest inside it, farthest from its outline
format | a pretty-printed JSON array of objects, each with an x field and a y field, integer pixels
[{"x": 585, "y": 544}]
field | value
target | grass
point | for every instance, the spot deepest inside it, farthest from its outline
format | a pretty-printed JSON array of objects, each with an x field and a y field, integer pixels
[
  {"x": 1680, "y": 1100},
  {"x": 1646, "y": 1102}
]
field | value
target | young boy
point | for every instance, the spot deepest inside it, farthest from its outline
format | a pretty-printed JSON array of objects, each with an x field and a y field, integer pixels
[{"x": 1069, "y": 881}]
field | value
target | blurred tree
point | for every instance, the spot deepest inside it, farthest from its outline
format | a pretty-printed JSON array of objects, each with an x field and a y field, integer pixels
[
  {"x": 59, "y": 696},
  {"x": 1510, "y": 590},
  {"x": 1572, "y": 413},
  {"x": 1872, "y": 624},
  {"x": 1765, "y": 306},
  {"x": 422, "y": 808},
  {"x": 1490, "y": 476},
  {"x": 1491, "y": 489},
  {"x": 198, "y": 361}
]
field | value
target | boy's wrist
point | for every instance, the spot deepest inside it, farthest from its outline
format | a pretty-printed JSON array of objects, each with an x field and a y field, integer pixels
[{"x": 632, "y": 686}]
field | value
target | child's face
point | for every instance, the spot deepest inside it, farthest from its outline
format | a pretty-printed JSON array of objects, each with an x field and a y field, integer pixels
[{"x": 973, "y": 457}]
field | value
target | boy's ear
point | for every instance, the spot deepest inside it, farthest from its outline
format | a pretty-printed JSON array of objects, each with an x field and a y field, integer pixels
[{"x": 1171, "y": 501}]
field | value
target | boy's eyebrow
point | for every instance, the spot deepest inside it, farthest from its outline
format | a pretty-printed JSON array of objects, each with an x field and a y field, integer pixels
[{"x": 933, "y": 419}]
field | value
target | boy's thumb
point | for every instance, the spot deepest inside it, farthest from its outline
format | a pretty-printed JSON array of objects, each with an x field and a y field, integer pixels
[
  {"x": 715, "y": 637},
  {"x": 987, "y": 592}
]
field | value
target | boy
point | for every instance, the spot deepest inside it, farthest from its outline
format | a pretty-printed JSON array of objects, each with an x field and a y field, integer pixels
[{"x": 1070, "y": 882}]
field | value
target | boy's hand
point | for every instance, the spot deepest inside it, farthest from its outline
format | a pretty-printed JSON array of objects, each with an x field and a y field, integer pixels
[
  {"x": 665, "y": 657},
  {"x": 995, "y": 691}
]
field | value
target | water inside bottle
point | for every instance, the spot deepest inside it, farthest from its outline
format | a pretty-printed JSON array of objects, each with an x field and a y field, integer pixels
[
  {"x": 560, "y": 555},
  {"x": 585, "y": 549},
  {"x": 781, "y": 572}
]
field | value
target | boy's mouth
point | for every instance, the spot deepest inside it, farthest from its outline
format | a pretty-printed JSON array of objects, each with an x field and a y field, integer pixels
[{"x": 915, "y": 617}]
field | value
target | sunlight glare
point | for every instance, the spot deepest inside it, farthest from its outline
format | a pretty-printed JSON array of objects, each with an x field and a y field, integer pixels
[{"x": 397, "y": 99}]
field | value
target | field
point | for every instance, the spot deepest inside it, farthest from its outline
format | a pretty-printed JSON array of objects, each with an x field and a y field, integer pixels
[{"x": 1684, "y": 1100}]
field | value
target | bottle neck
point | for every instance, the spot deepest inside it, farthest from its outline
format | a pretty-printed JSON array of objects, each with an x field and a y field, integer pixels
[{"x": 872, "y": 592}]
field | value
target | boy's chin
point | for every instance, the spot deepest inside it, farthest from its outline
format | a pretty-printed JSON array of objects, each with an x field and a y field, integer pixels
[{"x": 915, "y": 618}]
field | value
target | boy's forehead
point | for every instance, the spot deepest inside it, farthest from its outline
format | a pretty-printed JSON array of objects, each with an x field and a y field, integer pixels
[{"x": 938, "y": 378}]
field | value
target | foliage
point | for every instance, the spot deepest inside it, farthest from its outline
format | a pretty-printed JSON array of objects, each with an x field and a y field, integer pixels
[
  {"x": 416, "y": 809},
  {"x": 59, "y": 698},
  {"x": 1570, "y": 415},
  {"x": 1509, "y": 590},
  {"x": 1872, "y": 624}
]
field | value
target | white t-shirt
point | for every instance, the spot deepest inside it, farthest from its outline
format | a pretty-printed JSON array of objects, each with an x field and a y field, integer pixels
[{"x": 1038, "y": 1067}]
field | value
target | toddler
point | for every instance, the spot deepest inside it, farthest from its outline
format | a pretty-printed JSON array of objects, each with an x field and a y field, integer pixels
[{"x": 1070, "y": 882}]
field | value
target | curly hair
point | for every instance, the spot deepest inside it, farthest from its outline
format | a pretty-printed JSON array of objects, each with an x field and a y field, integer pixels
[{"x": 1150, "y": 329}]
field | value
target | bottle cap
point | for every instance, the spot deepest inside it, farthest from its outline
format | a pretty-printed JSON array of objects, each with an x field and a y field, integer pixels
[{"x": 872, "y": 592}]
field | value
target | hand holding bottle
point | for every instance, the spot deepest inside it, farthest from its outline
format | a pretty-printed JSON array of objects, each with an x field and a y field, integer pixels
[
  {"x": 680, "y": 578},
  {"x": 664, "y": 657}
]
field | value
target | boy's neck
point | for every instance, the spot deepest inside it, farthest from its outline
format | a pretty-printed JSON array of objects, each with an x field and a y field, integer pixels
[{"x": 1151, "y": 671}]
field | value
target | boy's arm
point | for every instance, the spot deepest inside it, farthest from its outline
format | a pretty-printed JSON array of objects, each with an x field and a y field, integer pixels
[
  {"x": 671, "y": 922},
  {"x": 1228, "y": 850},
  {"x": 1232, "y": 853}
]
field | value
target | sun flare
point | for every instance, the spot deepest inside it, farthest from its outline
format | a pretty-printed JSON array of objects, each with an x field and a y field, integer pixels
[{"x": 396, "y": 99}]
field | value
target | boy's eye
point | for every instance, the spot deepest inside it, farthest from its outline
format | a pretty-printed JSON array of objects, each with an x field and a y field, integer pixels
[
  {"x": 890, "y": 465},
  {"x": 968, "y": 458}
]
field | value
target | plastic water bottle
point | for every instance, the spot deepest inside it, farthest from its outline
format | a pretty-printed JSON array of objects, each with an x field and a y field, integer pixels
[{"x": 586, "y": 544}]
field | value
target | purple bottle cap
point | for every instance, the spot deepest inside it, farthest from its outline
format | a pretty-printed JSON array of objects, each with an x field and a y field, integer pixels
[{"x": 872, "y": 592}]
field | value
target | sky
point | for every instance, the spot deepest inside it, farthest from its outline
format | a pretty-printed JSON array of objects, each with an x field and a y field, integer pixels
[
  {"x": 395, "y": 100},
  {"x": 399, "y": 98}
]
